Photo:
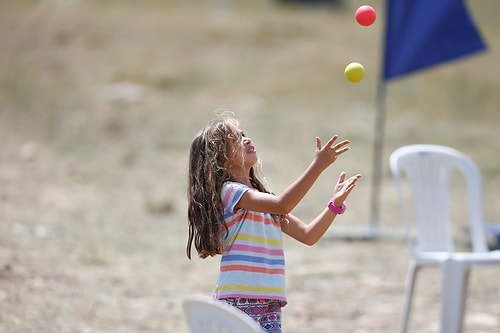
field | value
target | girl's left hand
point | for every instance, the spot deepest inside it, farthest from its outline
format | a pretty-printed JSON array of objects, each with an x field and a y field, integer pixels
[{"x": 343, "y": 188}]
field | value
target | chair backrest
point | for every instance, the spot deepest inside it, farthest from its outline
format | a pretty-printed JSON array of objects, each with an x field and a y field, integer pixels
[
  {"x": 206, "y": 315},
  {"x": 428, "y": 169}
]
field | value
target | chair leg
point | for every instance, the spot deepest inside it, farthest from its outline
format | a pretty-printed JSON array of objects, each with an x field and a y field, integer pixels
[
  {"x": 453, "y": 298},
  {"x": 409, "y": 289}
]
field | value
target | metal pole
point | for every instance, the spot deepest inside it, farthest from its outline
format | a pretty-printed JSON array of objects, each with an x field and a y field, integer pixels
[{"x": 378, "y": 145}]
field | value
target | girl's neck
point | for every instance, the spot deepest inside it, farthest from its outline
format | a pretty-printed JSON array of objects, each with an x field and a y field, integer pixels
[
  {"x": 240, "y": 175},
  {"x": 243, "y": 180}
]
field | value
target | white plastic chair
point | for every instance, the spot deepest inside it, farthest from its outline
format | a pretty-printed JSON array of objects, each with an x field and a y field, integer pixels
[
  {"x": 206, "y": 315},
  {"x": 428, "y": 170}
]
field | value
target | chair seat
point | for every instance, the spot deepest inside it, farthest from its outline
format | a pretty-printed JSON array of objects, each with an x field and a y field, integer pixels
[
  {"x": 206, "y": 315},
  {"x": 476, "y": 258}
]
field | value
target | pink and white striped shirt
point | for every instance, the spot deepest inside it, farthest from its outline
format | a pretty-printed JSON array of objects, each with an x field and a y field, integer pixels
[{"x": 253, "y": 262}]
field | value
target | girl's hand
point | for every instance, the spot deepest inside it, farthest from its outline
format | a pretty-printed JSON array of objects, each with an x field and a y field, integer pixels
[
  {"x": 344, "y": 188},
  {"x": 327, "y": 154}
]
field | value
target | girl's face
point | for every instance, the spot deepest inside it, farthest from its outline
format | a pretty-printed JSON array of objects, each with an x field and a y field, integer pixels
[{"x": 243, "y": 153}]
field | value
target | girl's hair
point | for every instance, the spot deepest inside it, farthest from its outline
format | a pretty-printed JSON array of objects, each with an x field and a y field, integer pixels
[{"x": 208, "y": 159}]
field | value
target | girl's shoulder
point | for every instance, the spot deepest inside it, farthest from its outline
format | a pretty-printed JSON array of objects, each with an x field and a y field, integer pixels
[
  {"x": 231, "y": 194},
  {"x": 233, "y": 186}
]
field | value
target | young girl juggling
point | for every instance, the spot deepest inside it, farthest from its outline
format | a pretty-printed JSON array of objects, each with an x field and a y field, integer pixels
[{"x": 231, "y": 212}]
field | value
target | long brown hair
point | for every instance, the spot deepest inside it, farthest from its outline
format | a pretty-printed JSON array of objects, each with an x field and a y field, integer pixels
[{"x": 208, "y": 157}]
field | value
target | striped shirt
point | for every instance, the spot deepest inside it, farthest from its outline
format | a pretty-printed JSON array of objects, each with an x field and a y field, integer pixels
[{"x": 253, "y": 262}]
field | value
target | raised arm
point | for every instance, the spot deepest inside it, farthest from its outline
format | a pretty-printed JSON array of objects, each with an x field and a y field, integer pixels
[{"x": 285, "y": 202}]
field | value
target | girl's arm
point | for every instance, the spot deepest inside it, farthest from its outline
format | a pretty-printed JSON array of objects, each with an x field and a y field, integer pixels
[
  {"x": 284, "y": 203},
  {"x": 310, "y": 233}
]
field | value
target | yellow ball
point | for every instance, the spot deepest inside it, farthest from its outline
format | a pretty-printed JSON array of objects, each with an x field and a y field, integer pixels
[{"x": 354, "y": 72}]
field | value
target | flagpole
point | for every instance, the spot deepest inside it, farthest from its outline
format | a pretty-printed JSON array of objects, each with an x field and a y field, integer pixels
[{"x": 378, "y": 145}]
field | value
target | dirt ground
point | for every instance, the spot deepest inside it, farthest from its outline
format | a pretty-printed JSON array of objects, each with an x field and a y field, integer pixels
[{"x": 98, "y": 106}]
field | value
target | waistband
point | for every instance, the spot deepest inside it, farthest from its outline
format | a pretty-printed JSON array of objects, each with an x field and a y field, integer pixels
[{"x": 235, "y": 301}]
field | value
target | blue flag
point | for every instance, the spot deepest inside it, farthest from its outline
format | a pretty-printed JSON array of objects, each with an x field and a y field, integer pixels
[{"x": 423, "y": 33}]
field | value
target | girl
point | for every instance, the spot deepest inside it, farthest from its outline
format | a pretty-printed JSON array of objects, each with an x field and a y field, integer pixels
[{"x": 232, "y": 212}]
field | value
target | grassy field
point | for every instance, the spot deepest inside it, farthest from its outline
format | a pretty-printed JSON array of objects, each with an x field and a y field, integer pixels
[{"x": 99, "y": 101}]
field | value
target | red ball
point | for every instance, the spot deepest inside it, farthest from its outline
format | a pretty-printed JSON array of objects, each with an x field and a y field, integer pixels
[{"x": 366, "y": 15}]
